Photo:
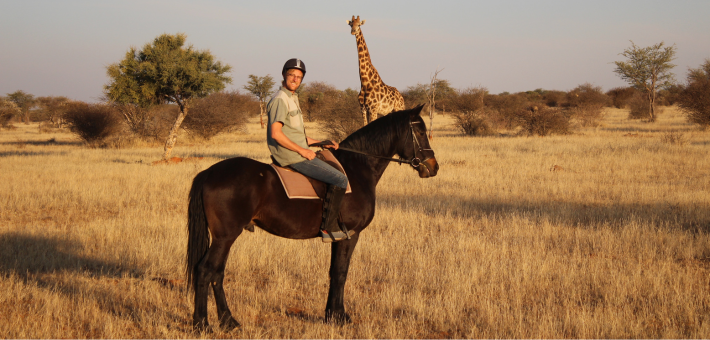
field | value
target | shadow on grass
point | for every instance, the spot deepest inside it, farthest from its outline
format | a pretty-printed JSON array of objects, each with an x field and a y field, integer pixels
[
  {"x": 31, "y": 153},
  {"x": 580, "y": 214},
  {"x": 34, "y": 259},
  {"x": 51, "y": 141}
]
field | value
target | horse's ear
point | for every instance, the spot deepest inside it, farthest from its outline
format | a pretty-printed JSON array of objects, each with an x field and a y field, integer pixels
[{"x": 417, "y": 110}]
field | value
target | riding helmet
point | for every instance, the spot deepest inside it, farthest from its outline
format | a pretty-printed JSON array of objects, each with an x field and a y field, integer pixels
[{"x": 294, "y": 63}]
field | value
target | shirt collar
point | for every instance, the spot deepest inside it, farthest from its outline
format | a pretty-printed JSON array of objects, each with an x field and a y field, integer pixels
[{"x": 287, "y": 92}]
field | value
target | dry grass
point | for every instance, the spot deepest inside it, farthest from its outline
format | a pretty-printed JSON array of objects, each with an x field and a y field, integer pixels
[{"x": 613, "y": 242}]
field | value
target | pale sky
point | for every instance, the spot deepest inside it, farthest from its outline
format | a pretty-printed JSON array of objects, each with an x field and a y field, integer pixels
[{"x": 62, "y": 48}]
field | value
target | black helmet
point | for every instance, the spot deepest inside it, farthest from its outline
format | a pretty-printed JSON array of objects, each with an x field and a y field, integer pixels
[{"x": 294, "y": 63}]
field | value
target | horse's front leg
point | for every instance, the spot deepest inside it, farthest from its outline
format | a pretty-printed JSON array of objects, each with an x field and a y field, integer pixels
[{"x": 339, "y": 264}]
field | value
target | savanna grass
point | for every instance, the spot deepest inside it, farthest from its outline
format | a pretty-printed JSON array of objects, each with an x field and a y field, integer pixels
[{"x": 597, "y": 234}]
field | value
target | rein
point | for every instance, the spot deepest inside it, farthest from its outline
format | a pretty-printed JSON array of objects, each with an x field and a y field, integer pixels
[{"x": 415, "y": 162}]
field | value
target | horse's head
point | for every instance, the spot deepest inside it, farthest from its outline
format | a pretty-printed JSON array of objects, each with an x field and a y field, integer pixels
[
  {"x": 415, "y": 146},
  {"x": 355, "y": 24}
]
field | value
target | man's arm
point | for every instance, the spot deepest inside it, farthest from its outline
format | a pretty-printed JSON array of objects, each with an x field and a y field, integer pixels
[
  {"x": 333, "y": 146},
  {"x": 281, "y": 138}
]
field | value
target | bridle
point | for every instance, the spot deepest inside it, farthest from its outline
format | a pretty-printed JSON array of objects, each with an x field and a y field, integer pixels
[{"x": 415, "y": 162}]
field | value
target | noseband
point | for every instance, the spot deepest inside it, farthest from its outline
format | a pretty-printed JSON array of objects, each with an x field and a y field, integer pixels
[{"x": 415, "y": 162}]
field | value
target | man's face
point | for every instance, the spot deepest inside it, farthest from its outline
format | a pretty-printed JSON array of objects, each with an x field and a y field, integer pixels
[{"x": 292, "y": 79}]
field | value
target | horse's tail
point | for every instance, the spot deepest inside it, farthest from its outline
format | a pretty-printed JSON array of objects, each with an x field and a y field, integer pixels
[{"x": 198, "y": 235}]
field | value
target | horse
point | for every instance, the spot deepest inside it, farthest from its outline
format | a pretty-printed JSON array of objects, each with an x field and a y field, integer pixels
[{"x": 240, "y": 193}]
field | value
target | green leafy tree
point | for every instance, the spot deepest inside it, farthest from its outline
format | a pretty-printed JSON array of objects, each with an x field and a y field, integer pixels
[
  {"x": 166, "y": 71},
  {"x": 260, "y": 87},
  {"x": 647, "y": 69},
  {"x": 24, "y": 102}
]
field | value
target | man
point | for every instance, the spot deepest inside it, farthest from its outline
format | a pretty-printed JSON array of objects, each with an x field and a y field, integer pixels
[{"x": 288, "y": 143}]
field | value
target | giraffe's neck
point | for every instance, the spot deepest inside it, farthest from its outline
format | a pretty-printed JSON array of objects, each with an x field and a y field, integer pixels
[{"x": 368, "y": 74}]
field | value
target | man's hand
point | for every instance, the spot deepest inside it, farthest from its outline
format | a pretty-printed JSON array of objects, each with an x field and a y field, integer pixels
[
  {"x": 307, "y": 154},
  {"x": 333, "y": 146}
]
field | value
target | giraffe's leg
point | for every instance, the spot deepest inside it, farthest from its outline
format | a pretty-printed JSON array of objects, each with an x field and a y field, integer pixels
[{"x": 363, "y": 108}]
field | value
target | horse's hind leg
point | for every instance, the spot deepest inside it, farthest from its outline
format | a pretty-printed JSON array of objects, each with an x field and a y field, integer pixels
[
  {"x": 210, "y": 271},
  {"x": 226, "y": 321}
]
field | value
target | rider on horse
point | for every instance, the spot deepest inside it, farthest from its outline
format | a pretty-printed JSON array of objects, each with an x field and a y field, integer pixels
[{"x": 288, "y": 143}]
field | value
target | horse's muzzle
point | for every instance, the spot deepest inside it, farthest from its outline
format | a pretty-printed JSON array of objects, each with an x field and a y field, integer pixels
[{"x": 428, "y": 168}]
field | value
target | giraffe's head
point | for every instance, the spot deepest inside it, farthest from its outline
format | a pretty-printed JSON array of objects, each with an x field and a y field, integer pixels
[{"x": 355, "y": 24}]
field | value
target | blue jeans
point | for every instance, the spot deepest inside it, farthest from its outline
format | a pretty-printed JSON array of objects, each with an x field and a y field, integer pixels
[{"x": 317, "y": 169}]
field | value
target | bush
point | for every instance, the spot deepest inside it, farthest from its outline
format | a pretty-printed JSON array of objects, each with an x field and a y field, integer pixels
[
  {"x": 620, "y": 96},
  {"x": 639, "y": 106},
  {"x": 694, "y": 99},
  {"x": 543, "y": 121},
  {"x": 343, "y": 116},
  {"x": 586, "y": 102},
  {"x": 8, "y": 111},
  {"x": 219, "y": 112},
  {"x": 509, "y": 107},
  {"x": 51, "y": 109},
  {"x": 476, "y": 123},
  {"x": 92, "y": 122},
  {"x": 555, "y": 98},
  {"x": 317, "y": 99}
]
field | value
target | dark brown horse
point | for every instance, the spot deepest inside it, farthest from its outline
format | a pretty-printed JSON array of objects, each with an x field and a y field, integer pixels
[{"x": 239, "y": 193}]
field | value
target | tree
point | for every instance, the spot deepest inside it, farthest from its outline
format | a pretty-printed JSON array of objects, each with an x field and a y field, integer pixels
[
  {"x": 647, "y": 69},
  {"x": 165, "y": 71},
  {"x": 53, "y": 108},
  {"x": 24, "y": 102},
  {"x": 260, "y": 87},
  {"x": 694, "y": 98},
  {"x": 431, "y": 99}
]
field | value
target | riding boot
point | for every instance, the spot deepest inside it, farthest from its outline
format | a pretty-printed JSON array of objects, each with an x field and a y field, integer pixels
[{"x": 330, "y": 230}]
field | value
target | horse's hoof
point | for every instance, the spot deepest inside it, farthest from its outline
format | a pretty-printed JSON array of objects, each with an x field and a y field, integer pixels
[
  {"x": 337, "y": 317},
  {"x": 228, "y": 324},
  {"x": 200, "y": 325}
]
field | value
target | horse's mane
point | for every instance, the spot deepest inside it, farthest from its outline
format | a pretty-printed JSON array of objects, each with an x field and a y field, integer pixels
[{"x": 375, "y": 138}]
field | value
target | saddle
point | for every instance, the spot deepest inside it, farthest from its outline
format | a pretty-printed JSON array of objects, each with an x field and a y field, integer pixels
[{"x": 298, "y": 185}]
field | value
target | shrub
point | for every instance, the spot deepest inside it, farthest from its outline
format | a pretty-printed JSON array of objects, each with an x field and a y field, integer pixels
[
  {"x": 638, "y": 106},
  {"x": 694, "y": 99},
  {"x": 509, "y": 107},
  {"x": 343, "y": 116},
  {"x": 92, "y": 122},
  {"x": 8, "y": 110},
  {"x": 586, "y": 102},
  {"x": 219, "y": 112},
  {"x": 543, "y": 121},
  {"x": 317, "y": 99},
  {"x": 471, "y": 114},
  {"x": 555, "y": 98},
  {"x": 620, "y": 96},
  {"x": 476, "y": 123},
  {"x": 51, "y": 109},
  {"x": 674, "y": 138}
]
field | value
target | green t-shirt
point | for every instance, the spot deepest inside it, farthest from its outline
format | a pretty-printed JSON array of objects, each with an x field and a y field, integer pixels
[{"x": 283, "y": 107}]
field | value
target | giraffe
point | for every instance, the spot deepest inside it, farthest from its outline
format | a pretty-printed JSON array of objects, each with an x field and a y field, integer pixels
[{"x": 376, "y": 98}]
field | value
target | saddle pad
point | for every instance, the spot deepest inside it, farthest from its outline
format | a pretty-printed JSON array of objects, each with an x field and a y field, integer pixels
[{"x": 298, "y": 185}]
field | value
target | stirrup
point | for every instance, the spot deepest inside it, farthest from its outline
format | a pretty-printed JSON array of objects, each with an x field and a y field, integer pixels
[{"x": 329, "y": 237}]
